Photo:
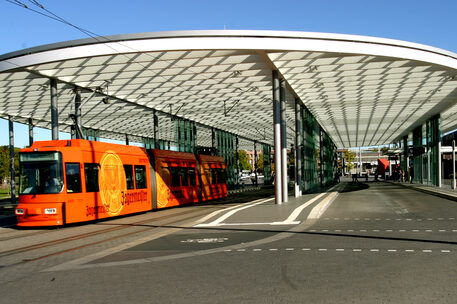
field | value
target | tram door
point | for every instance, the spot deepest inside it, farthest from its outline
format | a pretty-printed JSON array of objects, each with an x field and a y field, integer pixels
[{"x": 75, "y": 204}]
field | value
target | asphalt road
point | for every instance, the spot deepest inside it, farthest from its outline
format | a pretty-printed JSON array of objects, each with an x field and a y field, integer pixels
[{"x": 357, "y": 243}]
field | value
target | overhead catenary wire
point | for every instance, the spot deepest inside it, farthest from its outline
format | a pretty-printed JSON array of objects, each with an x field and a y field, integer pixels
[{"x": 100, "y": 38}]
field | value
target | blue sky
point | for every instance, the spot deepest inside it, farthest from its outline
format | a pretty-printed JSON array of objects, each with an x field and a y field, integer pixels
[{"x": 427, "y": 22}]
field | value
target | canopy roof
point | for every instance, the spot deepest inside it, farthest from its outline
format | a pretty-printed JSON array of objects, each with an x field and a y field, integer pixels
[{"x": 363, "y": 91}]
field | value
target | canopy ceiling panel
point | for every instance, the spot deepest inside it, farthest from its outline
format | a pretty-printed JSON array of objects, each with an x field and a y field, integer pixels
[{"x": 362, "y": 90}]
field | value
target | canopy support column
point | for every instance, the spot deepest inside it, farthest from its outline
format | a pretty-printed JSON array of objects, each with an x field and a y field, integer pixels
[
  {"x": 54, "y": 110},
  {"x": 277, "y": 138},
  {"x": 155, "y": 131},
  {"x": 78, "y": 129},
  {"x": 30, "y": 132},
  {"x": 298, "y": 164},
  {"x": 434, "y": 150},
  {"x": 255, "y": 163},
  {"x": 453, "y": 164},
  {"x": 321, "y": 159},
  {"x": 213, "y": 138},
  {"x": 12, "y": 173},
  {"x": 283, "y": 141},
  {"x": 237, "y": 160}
]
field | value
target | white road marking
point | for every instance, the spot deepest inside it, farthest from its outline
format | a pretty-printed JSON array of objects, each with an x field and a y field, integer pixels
[
  {"x": 232, "y": 212},
  {"x": 205, "y": 240},
  {"x": 293, "y": 216},
  {"x": 397, "y": 219},
  {"x": 317, "y": 211},
  {"x": 239, "y": 224},
  {"x": 340, "y": 250}
]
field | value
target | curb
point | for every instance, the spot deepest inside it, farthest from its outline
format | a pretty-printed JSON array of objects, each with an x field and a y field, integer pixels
[
  {"x": 430, "y": 191},
  {"x": 243, "y": 190}
]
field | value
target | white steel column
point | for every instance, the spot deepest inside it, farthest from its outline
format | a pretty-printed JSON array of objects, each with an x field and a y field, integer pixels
[
  {"x": 12, "y": 176},
  {"x": 255, "y": 164},
  {"x": 277, "y": 137},
  {"x": 453, "y": 164},
  {"x": 78, "y": 126},
  {"x": 283, "y": 141},
  {"x": 54, "y": 111},
  {"x": 438, "y": 163},
  {"x": 298, "y": 164},
  {"x": 30, "y": 132}
]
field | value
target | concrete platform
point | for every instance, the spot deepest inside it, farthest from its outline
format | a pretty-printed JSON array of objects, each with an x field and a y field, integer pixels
[{"x": 443, "y": 192}]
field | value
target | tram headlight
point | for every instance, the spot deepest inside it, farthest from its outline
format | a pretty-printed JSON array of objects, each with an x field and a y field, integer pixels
[
  {"x": 19, "y": 211},
  {"x": 50, "y": 210}
]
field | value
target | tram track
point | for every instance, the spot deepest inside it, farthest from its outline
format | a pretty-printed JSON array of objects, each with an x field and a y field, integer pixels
[
  {"x": 15, "y": 237},
  {"x": 105, "y": 240},
  {"x": 98, "y": 232},
  {"x": 224, "y": 201},
  {"x": 193, "y": 213}
]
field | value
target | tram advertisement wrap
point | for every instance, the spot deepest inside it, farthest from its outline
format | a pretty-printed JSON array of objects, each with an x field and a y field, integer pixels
[{"x": 112, "y": 181}]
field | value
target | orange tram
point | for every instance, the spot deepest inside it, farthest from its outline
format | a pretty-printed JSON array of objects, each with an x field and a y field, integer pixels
[{"x": 69, "y": 181}]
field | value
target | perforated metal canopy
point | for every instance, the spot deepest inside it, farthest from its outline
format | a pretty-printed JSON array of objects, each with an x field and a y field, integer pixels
[{"x": 363, "y": 91}]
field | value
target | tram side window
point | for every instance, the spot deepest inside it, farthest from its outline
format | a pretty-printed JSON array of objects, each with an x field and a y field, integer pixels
[
  {"x": 213, "y": 176},
  {"x": 140, "y": 177},
  {"x": 184, "y": 176},
  {"x": 208, "y": 176},
  {"x": 91, "y": 174},
  {"x": 73, "y": 175},
  {"x": 129, "y": 176},
  {"x": 175, "y": 178},
  {"x": 221, "y": 178},
  {"x": 192, "y": 177}
]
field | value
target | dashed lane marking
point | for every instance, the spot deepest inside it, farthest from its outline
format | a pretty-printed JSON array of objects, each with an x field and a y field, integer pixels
[
  {"x": 389, "y": 219},
  {"x": 379, "y": 230},
  {"x": 375, "y": 250}
]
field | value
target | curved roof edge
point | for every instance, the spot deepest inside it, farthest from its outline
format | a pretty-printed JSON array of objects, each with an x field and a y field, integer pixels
[{"x": 229, "y": 33}]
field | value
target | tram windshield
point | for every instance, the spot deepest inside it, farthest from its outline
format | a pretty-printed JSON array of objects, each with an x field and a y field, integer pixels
[{"x": 41, "y": 173}]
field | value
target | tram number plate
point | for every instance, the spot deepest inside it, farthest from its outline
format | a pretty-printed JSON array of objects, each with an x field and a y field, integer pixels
[{"x": 50, "y": 211}]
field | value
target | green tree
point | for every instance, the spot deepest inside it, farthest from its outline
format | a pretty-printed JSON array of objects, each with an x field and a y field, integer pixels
[
  {"x": 5, "y": 162},
  {"x": 244, "y": 160},
  {"x": 260, "y": 163},
  {"x": 349, "y": 156}
]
